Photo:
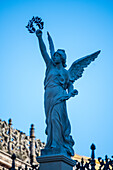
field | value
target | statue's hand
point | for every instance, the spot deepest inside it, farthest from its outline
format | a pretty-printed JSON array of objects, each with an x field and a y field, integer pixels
[
  {"x": 73, "y": 93},
  {"x": 38, "y": 33},
  {"x": 70, "y": 94}
]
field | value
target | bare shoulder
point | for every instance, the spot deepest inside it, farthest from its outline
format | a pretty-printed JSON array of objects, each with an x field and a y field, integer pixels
[{"x": 65, "y": 71}]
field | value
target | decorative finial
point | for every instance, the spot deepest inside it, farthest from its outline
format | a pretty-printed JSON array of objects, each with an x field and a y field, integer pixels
[
  {"x": 10, "y": 122},
  {"x": 93, "y": 147},
  {"x": 32, "y": 129},
  {"x": 13, "y": 156}
]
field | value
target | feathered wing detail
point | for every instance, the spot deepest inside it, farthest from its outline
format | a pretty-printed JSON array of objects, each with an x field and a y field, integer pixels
[
  {"x": 77, "y": 67},
  {"x": 51, "y": 45}
]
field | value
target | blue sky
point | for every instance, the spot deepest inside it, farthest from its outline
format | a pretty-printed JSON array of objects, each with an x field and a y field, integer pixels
[{"x": 80, "y": 27}]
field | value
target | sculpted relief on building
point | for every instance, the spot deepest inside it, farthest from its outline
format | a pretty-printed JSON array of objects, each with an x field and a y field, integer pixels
[{"x": 26, "y": 148}]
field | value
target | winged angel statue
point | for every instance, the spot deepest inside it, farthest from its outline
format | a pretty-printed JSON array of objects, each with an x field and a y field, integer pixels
[{"x": 58, "y": 86}]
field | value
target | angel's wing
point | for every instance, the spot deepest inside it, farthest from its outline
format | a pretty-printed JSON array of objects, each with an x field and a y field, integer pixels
[
  {"x": 51, "y": 45},
  {"x": 77, "y": 68}
]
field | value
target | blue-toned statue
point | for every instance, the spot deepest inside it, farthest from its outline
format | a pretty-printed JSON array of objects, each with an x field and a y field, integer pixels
[{"x": 58, "y": 86}]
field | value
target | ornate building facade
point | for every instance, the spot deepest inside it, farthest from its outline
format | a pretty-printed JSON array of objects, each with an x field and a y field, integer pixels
[{"x": 26, "y": 148}]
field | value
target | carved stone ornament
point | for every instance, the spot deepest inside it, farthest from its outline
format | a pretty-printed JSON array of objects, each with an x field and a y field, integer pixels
[{"x": 17, "y": 142}]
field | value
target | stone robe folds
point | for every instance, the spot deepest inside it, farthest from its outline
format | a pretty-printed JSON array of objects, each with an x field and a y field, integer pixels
[{"x": 58, "y": 126}]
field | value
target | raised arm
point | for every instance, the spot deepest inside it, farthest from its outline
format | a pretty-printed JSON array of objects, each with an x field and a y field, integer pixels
[{"x": 43, "y": 47}]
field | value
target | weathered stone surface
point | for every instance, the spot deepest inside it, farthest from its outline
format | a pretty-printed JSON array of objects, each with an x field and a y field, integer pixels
[
  {"x": 6, "y": 161},
  {"x": 12, "y": 141}
]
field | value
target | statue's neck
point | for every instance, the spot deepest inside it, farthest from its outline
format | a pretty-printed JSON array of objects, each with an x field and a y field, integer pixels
[{"x": 59, "y": 66}]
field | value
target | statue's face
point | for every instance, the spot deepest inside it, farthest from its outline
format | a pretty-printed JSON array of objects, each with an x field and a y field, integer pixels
[{"x": 57, "y": 58}]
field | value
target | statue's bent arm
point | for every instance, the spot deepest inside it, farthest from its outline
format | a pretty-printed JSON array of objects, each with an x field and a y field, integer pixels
[
  {"x": 43, "y": 50},
  {"x": 70, "y": 87},
  {"x": 71, "y": 91}
]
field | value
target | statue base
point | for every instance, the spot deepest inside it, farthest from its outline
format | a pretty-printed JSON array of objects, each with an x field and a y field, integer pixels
[
  {"x": 56, "y": 162},
  {"x": 54, "y": 151}
]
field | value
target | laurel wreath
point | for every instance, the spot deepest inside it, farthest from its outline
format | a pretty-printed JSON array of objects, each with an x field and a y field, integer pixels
[{"x": 37, "y": 21}]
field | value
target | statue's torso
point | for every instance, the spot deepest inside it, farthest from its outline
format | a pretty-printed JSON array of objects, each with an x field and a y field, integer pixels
[{"x": 55, "y": 77}]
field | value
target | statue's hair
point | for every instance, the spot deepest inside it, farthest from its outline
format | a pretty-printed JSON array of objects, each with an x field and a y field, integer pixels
[{"x": 63, "y": 56}]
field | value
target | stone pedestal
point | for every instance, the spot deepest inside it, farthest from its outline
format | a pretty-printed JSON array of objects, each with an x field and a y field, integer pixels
[{"x": 56, "y": 162}]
